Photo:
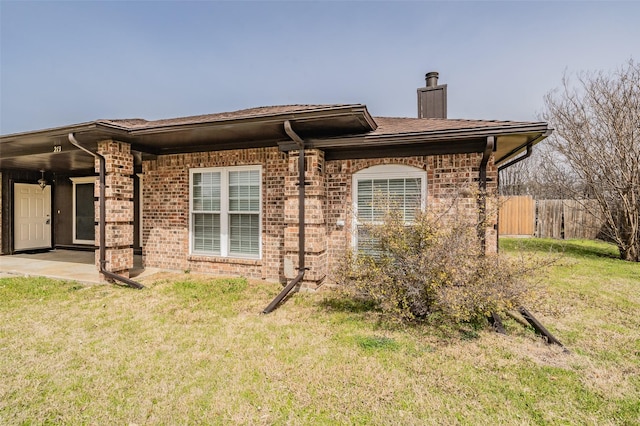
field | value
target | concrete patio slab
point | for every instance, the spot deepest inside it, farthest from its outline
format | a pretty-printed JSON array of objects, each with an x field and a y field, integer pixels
[{"x": 70, "y": 265}]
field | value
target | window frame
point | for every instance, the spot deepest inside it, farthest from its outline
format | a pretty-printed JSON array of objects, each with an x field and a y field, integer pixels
[
  {"x": 85, "y": 180},
  {"x": 384, "y": 171},
  {"x": 140, "y": 207},
  {"x": 225, "y": 232}
]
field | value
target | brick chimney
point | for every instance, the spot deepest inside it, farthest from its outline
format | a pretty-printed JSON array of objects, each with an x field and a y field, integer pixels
[{"x": 432, "y": 99}]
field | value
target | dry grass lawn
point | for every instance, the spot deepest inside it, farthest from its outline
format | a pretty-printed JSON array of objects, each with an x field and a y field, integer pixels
[{"x": 194, "y": 349}]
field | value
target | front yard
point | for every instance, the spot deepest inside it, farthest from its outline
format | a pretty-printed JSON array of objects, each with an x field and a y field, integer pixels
[{"x": 194, "y": 349}]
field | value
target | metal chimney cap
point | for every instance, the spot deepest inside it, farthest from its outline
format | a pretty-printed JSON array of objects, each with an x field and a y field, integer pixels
[{"x": 432, "y": 78}]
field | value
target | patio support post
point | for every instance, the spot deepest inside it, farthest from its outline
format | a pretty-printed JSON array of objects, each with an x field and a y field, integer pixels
[
  {"x": 313, "y": 222},
  {"x": 118, "y": 208},
  {"x": 485, "y": 227},
  {"x": 305, "y": 232}
]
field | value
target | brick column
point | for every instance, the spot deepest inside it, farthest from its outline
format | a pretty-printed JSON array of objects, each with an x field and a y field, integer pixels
[
  {"x": 491, "y": 230},
  {"x": 119, "y": 207},
  {"x": 315, "y": 224}
]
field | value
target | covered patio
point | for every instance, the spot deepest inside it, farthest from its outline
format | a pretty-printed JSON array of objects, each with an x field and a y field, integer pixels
[{"x": 70, "y": 265}]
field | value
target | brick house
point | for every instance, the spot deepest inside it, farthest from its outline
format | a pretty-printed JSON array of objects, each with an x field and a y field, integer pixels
[{"x": 219, "y": 193}]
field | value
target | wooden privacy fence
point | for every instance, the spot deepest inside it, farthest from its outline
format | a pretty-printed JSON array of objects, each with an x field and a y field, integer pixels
[
  {"x": 517, "y": 215},
  {"x": 521, "y": 215}
]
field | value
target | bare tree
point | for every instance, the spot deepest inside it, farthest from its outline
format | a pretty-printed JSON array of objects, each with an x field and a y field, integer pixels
[
  {"x": 532, "y": 177},
  {"x": 517, "y": 179},
  {"x": 595, "y": 148}
]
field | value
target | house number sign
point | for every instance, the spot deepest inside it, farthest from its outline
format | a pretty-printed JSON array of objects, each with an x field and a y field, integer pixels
[{"x": 57, "y": 148}]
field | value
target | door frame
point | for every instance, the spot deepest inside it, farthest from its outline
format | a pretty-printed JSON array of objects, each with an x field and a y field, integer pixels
[
  {"x": 80, "y": 181},
  {"x": 49, "y": 215}
]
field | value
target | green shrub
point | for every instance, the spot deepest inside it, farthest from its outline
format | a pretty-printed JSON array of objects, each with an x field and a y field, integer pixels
[{"x": 429, "y": 268}]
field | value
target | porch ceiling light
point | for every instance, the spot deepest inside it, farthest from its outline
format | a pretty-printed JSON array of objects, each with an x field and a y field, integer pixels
[{"x": 42, "y": 181}]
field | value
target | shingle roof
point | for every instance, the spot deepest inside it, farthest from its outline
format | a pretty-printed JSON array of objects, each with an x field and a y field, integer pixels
[
  {"x": 139, "y": 123},
  {"x": 386, "y": 125},
  {"x": 397, "y": 125},
  {"x": 344, "y": 128}
]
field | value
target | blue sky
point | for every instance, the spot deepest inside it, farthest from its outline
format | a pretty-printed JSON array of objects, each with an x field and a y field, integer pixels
[{"x": 69, "y": 62}]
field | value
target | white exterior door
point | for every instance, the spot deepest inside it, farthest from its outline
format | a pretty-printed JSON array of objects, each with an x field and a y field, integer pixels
[{"x": 32, "y": 218}]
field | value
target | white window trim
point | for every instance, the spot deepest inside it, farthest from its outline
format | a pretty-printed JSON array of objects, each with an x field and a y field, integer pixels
[
  {"x": 140, "y": 206},
  {"x": 224, "y": 211},
  {"x": 81, "y": 181},
  {"x": 384, "y": 171}
]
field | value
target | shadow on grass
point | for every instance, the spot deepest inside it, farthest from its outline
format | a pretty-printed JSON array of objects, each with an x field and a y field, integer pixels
[
  {"x": 435, "y": 324},
  {"x": 573, "y": 248},
  {"x": 341, "y": 303}
]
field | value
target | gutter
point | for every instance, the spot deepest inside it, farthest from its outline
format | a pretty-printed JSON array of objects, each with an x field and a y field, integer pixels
[
  {"x": 301, "y": 206},
  {"x": 373, "y": 140},
  {"x": 53, "y": 131},
  {"x": 103, "y": 212}
]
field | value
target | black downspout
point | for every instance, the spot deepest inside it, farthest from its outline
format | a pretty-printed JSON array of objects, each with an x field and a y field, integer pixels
[
  {"x": 482, "y": 197},
  {"x": 301, "y": 206},
  {"x": 519, "y": 159},
  {"x": 103, "y": 212}
]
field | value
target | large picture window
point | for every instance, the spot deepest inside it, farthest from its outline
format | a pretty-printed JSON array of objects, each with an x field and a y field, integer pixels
[
  {"x": 225, "y": 211},
  {"x": 380, "y": 189}
]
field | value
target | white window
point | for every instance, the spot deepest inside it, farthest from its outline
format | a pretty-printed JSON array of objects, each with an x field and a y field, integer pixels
[
  {"x": 225, "y": 213},
  {"x": 380, "y": 189}
]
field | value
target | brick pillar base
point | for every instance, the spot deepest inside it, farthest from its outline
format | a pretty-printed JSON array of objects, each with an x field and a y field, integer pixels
[{"x": 119, "y": 207}]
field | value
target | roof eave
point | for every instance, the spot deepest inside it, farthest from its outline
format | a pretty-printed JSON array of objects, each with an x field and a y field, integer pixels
[
  {"x": 51, "y": 132},
  {"x": 534, "y": 140}
]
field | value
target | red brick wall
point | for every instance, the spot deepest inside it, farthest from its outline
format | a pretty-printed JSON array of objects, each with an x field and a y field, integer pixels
[
  {"x": 166, "y": 212},
  {"x": 329, "y": 199},
  {"x": 451, "y": 179}
]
